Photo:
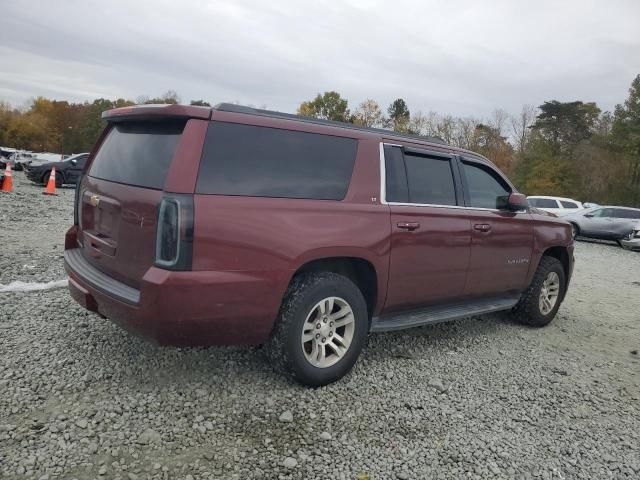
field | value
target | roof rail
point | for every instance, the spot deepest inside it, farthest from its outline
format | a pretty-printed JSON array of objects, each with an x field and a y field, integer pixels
[{"x": 234, "y": 108}]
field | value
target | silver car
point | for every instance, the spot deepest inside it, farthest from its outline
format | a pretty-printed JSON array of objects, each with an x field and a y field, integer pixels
[{"x": 607, "y": 223}]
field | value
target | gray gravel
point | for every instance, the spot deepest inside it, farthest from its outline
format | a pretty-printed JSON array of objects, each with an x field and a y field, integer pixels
[{"x": 478, "y": 398}]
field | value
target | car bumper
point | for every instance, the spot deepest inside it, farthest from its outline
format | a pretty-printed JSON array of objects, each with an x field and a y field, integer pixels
[
  {"x": 632, "y": 243},
  {"x": 33, "y": 175},
  {"x": 182, "y": 308}
]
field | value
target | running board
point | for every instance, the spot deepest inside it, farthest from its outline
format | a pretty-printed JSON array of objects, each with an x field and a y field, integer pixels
[{"x": 441, "y": 313}]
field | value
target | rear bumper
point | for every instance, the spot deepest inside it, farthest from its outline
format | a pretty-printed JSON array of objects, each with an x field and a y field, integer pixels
[{"x": 182, "y": 308}]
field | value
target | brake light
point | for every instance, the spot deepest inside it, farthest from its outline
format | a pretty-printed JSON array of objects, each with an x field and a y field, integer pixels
[
  {"x": 76, "y": 202},
  {"x": 174, "y": 234}
]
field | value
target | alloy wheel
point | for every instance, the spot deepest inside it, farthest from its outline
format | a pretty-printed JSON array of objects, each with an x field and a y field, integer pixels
[
  {"x": 327, "y": 332},
  {"x": 549, "y": 293}
]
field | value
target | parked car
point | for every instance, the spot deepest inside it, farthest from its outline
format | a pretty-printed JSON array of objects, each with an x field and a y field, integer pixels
[
  {"x": 632, "y": 240},
  {"x": 606, "y": 223},
  {"x": 590, "y": 204},
  {"x": 20, "y": 159},
  {"x": 67, "y": 171},
  {"x": 232, "y": 225},
  {"x": 559, "y": 206}
]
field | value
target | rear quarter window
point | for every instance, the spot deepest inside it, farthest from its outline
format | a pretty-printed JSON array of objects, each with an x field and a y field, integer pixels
[
  {"x": 136, "y": 153},
  {"x": 257, "y": 161}
]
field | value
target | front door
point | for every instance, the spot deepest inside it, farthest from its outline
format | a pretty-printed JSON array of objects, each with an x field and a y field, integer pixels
[
  {"x": 502, "y": 241},
  {"x": 430, "y": 237},
  {"x": 597, "y": 223}
]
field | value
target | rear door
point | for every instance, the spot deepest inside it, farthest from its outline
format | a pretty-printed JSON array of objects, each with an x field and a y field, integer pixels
[
  {"x": 625, "y": 219},
  {"x": 120, "y": 194},
  {"x": 502, "y": 240},
  {"x": 430, "y": 233}
]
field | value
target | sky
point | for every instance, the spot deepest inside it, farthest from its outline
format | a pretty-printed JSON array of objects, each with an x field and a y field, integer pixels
[{"x": 462, "y": 57}]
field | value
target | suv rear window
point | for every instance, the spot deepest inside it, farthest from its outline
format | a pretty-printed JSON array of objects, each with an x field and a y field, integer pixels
[
  {"x": 566, "y": 204},
  {"x": 270, "y": 162},
  {"x": 137, "y": 153}
]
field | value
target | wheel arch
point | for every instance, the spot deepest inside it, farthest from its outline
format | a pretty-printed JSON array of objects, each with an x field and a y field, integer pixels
[
  {"x": 359, "y": 270},
  {"x": 562, "y": 255}
]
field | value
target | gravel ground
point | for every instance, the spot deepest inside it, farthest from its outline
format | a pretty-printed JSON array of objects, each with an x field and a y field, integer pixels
[{"x": 477, "y": 398}]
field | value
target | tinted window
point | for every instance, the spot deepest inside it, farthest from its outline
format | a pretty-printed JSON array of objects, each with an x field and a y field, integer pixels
[
  {"x": 430, "y": 180},
  {"x": 270, "y": 162},
  {"x": 137, "y": 153},
  {"x": 624, "y": 213},
  {"x": 396, "y": 175},
  {"x": 603, "y": 212},
  {"x": 566, "y": 204},
  {"x": 485, "y": 186}
]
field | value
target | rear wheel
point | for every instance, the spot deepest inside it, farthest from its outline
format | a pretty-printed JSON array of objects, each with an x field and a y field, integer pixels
[
  {"x": 540, "y": 302},
  {"x": 321, "y": 329}
]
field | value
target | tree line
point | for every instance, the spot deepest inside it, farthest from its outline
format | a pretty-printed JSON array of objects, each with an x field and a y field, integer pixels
[{"x": 571, "y": 149}]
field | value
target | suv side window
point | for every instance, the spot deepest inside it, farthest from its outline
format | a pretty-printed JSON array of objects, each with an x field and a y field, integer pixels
[
  {"x": 543, "y": 203},
  {"x": 624, "y": 213},
  {"x": 484, "y": 185},
  {"x": 248, "y": 160},
  {"x": 603, "y": 212},
  {"x": 566, "y": 204},
  {"x": 430, "y": 180},
  {"x": 395, "y": 175}
]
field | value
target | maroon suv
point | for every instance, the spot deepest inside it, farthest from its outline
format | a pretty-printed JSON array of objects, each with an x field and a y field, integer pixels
[{"x": 231, "y": 225}]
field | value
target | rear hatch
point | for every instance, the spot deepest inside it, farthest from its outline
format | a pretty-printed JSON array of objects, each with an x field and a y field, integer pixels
[{"x": 118, "y": 197}]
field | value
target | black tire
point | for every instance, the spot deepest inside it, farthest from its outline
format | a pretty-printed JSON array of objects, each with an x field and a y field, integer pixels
[
  {"x": 284, "y": 348},
  {"x": 528, "y": 311},
  {"x": 575, "y": 230}
]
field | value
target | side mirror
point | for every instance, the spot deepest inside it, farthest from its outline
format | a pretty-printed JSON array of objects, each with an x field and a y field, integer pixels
[
  {"x": 74, "y": 161},
  {"x": 513, "y": 202}
]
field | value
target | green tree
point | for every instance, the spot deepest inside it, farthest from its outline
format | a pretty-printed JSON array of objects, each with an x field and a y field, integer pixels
[
  {"x": 565, "y": 124},
  {"x": 200, "y": 103},
  {"x": 399, "y": 115},
  {"x": 625, "y": 132},
  {"x": 327, "y": 106}
]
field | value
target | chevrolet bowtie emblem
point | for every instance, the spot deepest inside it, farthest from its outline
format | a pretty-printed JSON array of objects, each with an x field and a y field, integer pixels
[{"x": 94, "y": 200}]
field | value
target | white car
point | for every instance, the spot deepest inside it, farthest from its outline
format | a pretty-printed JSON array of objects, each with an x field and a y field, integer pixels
[{"x": 559, "y": 206}]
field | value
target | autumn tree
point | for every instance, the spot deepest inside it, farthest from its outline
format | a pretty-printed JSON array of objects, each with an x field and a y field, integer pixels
[
  {"x": 369, "y": 114},
  {"x": 327, "y": 106},
  {"x": 200, "y": 103}
]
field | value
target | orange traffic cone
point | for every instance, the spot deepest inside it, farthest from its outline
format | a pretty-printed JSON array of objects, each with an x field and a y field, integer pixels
[
  {"x": 50, "y": 189},
  {"x": 7, "y": 183}
]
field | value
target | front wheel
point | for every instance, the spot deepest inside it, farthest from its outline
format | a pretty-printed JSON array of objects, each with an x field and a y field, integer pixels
[
  {"x": 321, "y": 329},
  {"x": 540, "y": 302}
]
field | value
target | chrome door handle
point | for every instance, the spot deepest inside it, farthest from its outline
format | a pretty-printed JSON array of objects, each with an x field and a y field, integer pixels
[
  {"x": 408, "y": 225},
  {"x": 482, "y": 227}
]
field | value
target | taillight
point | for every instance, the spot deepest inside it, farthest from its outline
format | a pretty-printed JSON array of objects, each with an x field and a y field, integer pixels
[
  {"x": 76, "y": 203},
  {"x": 174, "y": 234}
]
